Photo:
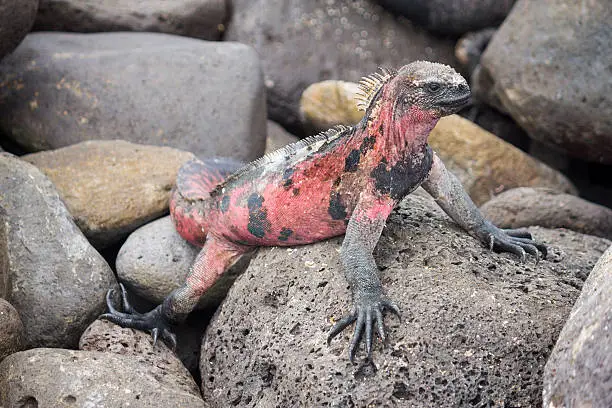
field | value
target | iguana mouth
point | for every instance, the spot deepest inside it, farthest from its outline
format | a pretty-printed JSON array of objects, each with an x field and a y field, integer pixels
[{"x": 459, "y": 101}]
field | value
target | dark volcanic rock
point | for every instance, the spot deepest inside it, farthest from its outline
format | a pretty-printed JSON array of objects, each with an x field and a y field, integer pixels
[
  {"x": 522, "y": 207},
  {"x": 549, "y": 68},
  {"x": 203, "y": 97},
  {"x": 16, "y": 19},
  {"x": 202, "y": 18},
  {"x": 56, "y": 280},
  {"x": 111, "y": 187},
  {"x": 477, "y": 329},
  {"x": 62, "y": 378},
  {"x": 453, "y": 17},
  {"x": 11, "y": 330},
  {"x": 303, "y": 42},
  {"x": 155, "y": 260},
  {"x": 579, "y": 370}
]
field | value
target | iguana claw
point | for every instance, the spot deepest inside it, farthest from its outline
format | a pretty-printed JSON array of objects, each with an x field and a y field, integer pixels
[
  {"x": 152, "y": 321},
  {"x": 367, "y": 313}
]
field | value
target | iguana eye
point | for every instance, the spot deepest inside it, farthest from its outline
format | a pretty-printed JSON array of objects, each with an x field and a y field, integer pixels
[{"x": 434, "y": 87}]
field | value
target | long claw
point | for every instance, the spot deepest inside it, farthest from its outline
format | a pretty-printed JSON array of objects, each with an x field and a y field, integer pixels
[
  {"x": 356, "y": 336},
  {"x": 380, "y": 325},
  {"x": 368, "y": 327},
  {"x": 127, "y": 307},
  {"x": 169, "y": 338},
  {"x": 531, "y": 250},
  {"x": 339, "y": 326},
  {"x": 393, "y": 308},
  {"x": 517, "y": 233}
]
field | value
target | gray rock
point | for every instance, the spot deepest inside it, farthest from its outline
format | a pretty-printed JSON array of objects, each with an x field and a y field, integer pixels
[
  {"x": 303, "y": 42},
  {"x": 579, "y": 370},
  {"x": 155, "y": 260},
  {"x": 202, "y": 18},
  {"x": 11, "y": 334},
  {"x": 452, "y": 17},
  {"x": 111, "y": 187},
  {"x": 16, "y": 19},
  {"x": 477, "y": 326},
  {"x": 203, "y": 97},
  {"x": 549, "y": 68},
  {"x": 56, "y": 280},
  {"x": 56, "y": 377},
  {"x": 278, "y": 137},
  {"x": 524, "y": 206}
]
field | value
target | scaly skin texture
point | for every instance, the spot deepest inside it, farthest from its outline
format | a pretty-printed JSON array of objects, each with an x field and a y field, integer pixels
[{"x": 344, "y": 181}]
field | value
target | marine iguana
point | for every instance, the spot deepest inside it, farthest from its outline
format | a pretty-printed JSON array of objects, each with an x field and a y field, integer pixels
[{"x": 346, "y": 180}]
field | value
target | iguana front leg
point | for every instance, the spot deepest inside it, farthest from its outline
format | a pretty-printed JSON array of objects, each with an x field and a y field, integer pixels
[
  {"x": 216, "y": 257},
  {"x": 448, "y": 192},
  {"x": 362, "y": 234}
]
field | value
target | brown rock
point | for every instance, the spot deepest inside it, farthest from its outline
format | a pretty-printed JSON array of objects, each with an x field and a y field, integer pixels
[
  {"x": 112, "y": 187},
  {"x": 522, "y": 207},
  {"x": 486, "y": 165},
  {"x": 278, "y": 137},
  {"x": 329, "y": 103},
  {"x": 11, "y": 330}
]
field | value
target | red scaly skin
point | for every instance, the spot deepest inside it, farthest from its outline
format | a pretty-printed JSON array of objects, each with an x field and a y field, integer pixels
[{"x": 341, "y": 182}]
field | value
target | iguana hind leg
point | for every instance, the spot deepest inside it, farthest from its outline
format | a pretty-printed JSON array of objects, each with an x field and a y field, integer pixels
[{"x": 216, "y": 257}]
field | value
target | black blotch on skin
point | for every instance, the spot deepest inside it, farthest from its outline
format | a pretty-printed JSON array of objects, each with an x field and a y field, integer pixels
[
  {"x": 403, "y": 177},
  {"x": 337, "y": 182},
  {"x": 336, "y": 209},
  {"x": 352, "y": 161},
  {"x": 287, "y": 178},
  {"x": 287, "y": 184},
  {"x": 258, "y": 216},
  {"x": 367, "y": 144},
  {"x": 225, "y": 202},
  {"x": 285, "y": 233},
  {"x": 296, "y": 191}
]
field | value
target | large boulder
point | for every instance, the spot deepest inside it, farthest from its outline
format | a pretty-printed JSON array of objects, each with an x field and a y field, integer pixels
[
  {"x": 524, "y": 206},
  {"x": 112, "y": 187},
  {"x": 477, "y": 326},
  {"x": 203, "y": 97},
  {"x": 579, "y": 370},
  {"x": 55, "y": 377},
  {"x": 56, "y": 280},
  {"x": 303, "y": 42},
  {"x": 452, "y": 17},
  {"x": 548, "y": 66},
  {"x": 155, "y": 260},
  {"x": 16, "y": 19},
  {"x": 201, "y": 18}
]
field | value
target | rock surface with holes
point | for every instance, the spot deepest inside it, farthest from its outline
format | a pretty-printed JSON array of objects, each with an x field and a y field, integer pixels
[
  {"x": 477, "y": 326},
  {"x": 58, "y": 377}
]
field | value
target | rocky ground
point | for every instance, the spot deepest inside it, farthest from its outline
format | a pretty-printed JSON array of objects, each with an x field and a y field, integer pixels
[{"x": 101, "y": 102}]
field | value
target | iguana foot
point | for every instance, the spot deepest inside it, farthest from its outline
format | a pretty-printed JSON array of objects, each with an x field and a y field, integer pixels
[
  {"x": 516, "y": 241},
  {"x": 153, "y": 321},
  {"x": 367, "y": 312}
]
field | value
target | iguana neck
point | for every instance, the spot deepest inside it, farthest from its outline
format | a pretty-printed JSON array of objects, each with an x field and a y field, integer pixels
[{"x": 398, "y": 137}]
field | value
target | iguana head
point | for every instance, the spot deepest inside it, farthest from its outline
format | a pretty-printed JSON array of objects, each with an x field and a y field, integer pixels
[{"x": 407, "y": 103}]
